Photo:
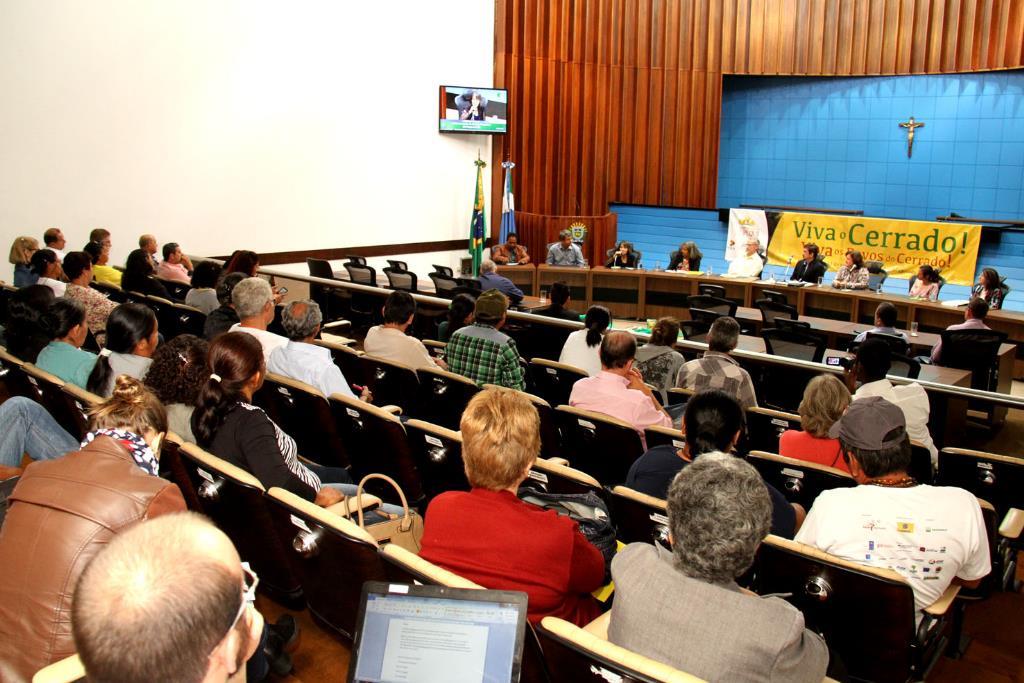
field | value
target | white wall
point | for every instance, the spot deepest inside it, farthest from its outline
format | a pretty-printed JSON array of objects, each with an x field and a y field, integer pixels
[{"x": 272, "y": 126}]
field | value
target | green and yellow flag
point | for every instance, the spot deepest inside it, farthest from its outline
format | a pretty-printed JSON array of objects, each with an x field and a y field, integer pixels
[{"x": 477, "y": 234}]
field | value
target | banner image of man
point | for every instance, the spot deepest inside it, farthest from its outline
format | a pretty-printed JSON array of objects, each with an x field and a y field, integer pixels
[{"x": 472, "y": 106}]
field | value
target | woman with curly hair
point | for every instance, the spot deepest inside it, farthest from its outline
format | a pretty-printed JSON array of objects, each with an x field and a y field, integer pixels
[{"x": 177, "y": 372}]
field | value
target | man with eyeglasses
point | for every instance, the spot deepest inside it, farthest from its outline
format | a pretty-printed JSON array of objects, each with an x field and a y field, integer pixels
[{"x": 167, "y": 600}]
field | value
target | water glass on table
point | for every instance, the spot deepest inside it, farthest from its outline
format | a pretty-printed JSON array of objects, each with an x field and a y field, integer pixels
[
  {"x": 543, "y": 296},
  {"x": 913, "y": 329}
]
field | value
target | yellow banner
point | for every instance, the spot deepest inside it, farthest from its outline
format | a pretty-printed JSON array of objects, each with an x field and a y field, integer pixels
[{"x": 902, "y": 246}]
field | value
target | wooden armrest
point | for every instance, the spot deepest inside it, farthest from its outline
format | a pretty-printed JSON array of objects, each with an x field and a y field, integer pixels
[
  {"x": 940, "y": 606},
  {"x": 394, "y": 410},
  {"x": 559, "y": 461},
  {"x": 68, "y": 669},
  {"x": 349, "y": 506},
  {"x": 599, "y": 626},
  {"x": 1013, "y": 524},
  {"x": 336, "y": 323}
]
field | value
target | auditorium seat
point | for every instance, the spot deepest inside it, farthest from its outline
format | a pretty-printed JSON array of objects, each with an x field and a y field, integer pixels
[
  {"x": 977, "y": 351},
  {"x": 600, "y": 445},
  {"x": 401, "y": 279},
  {"x": 638, "y": 517},
  {"x": 765, "y": 426},
  {"x": 772, "y": 310},
  {"x": 845, "y": 600},
  {"x": 80, "y": 401},
  {"x": 67, "y": 670},
  {"x": 897, "y": 344},
  {"x": 359, "y": 272},
  {"x": 333, "y": 556},
  {"x": 877, "y": 275},
  {"x": 187, "y": 320},
  {"x": 390, "y": 382},
  {"x": 173, "y": 469},
  {"x": 694, "y": 330},
  {"x": 234, "y": 500},
  {"x": 799, "y": 345},
  {"x": 708, "y": 289},
  {"x": 707, "y": 309},
  {"x": 904, "y": 366},
  {"x": 443, "y": 396},
  {"x": 800, "y": 481},
  {"x": 551, "y": 476},
  {"x": 61, "y": 405},
  {"x": 347, "y": 359},
  {"x": 553, "y": 381},
  {"x": 445, "y": 283},
  {"x": 15, "y": 380},
  {"x": 575, "y": 654},
  {"x": 998, "y": 479},
  {"x": 775, "y": 297},
  {"x": 303, "y": 413},
  {"x": 332, "y": 300},
  {"x": 402, "y": 566},
  {"x": 921, "y": 463},
  {"x": 437, "y": 452},
  {"x": 112, "y": 292},
  {"x": 550, "y": 439},
  {"x": 176, "y": 288},
  {"x": 656, "y": 435},
  {"x": 677, "y": 395}
]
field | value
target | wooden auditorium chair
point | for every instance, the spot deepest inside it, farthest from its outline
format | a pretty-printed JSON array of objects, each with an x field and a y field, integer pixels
[
  {"x": 437, "y": 452},
  {"x": 15, "y": 381},
  {"x": 765, "y": 426},
  {"x": 639, "y": 518},
  {"x": 64, "y": 408},
  {"x": 551, "y": 476},
  {"x": 187, "y": 319},
  {"x": 177, "y": 289},
  {"x": 390, "y": 382},
  {"x": 443, "y": 396},
  {"x": 550, "y": 439},
  {"x": 800, "y": 481},
  {"x": 112, "y": 292},
  {"x": 600, "y": 445},
  {"x": 656, "y": 435},
  {"x": 302, "y": 412},
  {"x": 347, "y": 360},
  {"x": 173, "y": 469},
  {"x": 553, "y": 381}
]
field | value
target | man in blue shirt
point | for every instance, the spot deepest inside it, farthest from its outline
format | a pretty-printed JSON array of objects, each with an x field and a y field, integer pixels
[
  {"x": 489, "y": 279},
  {"x": 564, "y": 252},
  {"x": 885, "y": 322}
]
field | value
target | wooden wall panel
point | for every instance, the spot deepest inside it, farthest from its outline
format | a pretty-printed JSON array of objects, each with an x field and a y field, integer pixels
[{"x": 620, "y": 100}]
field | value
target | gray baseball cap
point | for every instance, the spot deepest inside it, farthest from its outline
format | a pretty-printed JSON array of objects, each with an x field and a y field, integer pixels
[{"x": 867, "y": 422}]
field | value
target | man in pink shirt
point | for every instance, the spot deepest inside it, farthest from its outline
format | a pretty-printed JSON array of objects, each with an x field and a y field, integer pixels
[
  {"x": 619, "y": 389},
  {"x": 175, "y": 266},
  {"x": 974, "y": 319}
]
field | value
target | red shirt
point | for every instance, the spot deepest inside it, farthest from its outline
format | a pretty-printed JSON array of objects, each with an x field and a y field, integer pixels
[
  {"x": 804, "y": 446},
  {"x": 496, "y": 540}
]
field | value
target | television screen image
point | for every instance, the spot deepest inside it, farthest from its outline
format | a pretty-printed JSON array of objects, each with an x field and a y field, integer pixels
[{"x": 473, "y": 110}]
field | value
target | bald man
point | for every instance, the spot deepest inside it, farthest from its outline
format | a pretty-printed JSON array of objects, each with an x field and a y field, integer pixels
[
  {"x": 619, "y": 389},
  {"x": 167, "y": 600}
]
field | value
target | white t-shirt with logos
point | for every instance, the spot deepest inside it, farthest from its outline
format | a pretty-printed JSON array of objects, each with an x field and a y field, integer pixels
[{"x": 928, "y": 534}]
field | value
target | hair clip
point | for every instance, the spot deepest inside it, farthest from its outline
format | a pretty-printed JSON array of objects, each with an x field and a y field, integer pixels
[
  {"x": 215, "y": 377},
  {"x": 183, "y": 359},
  {"x": 105, "y": 353}
]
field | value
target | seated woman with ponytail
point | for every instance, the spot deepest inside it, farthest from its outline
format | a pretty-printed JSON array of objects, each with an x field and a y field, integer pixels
[
  {"x": 63, "y": 356},
  {"x": 583, "y": 347},
  {"x": 132, "y": 338}
]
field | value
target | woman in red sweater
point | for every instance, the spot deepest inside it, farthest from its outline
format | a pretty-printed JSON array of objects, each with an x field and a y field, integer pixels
[
  {"x": 489, "y": 536},
  {"x": 825, "y": 400}
]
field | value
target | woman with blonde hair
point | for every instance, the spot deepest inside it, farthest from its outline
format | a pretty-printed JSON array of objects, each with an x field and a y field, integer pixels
[
  {"x": 21, "y": 257},
  {"x": 825, "y": 400},
  {"x": 489, "y": 536}
]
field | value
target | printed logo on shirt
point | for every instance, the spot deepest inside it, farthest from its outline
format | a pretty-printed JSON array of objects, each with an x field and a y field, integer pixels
[
  {"x": 930, "y": 529},
  {"x": 905, "y": 527}
]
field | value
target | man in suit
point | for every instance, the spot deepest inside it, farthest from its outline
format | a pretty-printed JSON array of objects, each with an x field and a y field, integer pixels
[
  {"x": 489, "y": 279},
  {"x": 810, "y": 267},
  {"x": 684, "y": 608}
]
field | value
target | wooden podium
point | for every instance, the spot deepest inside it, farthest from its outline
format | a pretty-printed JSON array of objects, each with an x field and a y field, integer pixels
[{"x": 537, "y": 231}]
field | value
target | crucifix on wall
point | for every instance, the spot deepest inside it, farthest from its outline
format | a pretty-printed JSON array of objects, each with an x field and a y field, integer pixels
[{"x": 910, "y": 126}]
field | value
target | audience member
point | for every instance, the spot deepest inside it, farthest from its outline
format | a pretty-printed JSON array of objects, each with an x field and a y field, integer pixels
[
  {"x": 460, "y": 313},
  {"x": 511, "y": 252},
  {"x": 489, "y": 279},
  {"x": 101, "y": 235},
  {"x": 489, "y": 536},
  {"x": 53, "y": 239},
  {"x": 303, "y": 360},
  {"x": 26, "y": 428},
  {"x": 132, "y": 338},
  {"x": 21, "y": 256},
  {"x": 148, "y": 243},
  {"x": 79, "y": 270},
  {"x": 885, "y": 323},
  {"x": 64, "y": 356},
  {"x": 176, "y": 585},
  {"x": 254, "y": 303},
  {"x": 391, "y": 340},
  {"x": 825, "y": 400},
  {"x": 974, "y": 319},
  {"x": 203, "y": 294},
  {"x": 139, "y": 277},
  {"x": 718, "y": 513},
  {"x": 927, "y": 284},
  {"x": 224, "y": 317},
  {"x": 853, "y": 274},
  {"x": 624, "y": 257},
  {"x": 619, "y": 389},
  {"x": 811, "y": 268},
  {"x": 657, "y": 360},
  {"x": 243, "y": 261},
  {"x": 175, "y": 266},
  {"x": 561, "y": 297},
  {"x": 175, "y": 375},
  {"x": 481, "y": 352},
  {"x": 749, "y": 264},
  {"x": 713, "y": 421},
  {"x": 872, "y": 363},
  {"x": 717, "y": 369},
  {"x": 46, "y": 267},
  {"x": 101, "y": 268},
  {"x": 990, "y": 288},
  {"x": 582, "y": 349},
  {"x": 63, "y": 512},
  {"x": 564, "y": 252},
  {"x": 25, "y": 334},
  {"x": 890, "y": 520},
  {"x": 686, "y": 258}
]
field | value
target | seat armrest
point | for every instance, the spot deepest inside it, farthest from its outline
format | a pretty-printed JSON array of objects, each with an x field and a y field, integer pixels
[
  {"x": 559, "y": 461},
  {"x": 394, "y": 410},
  {"x": 941, "y": 606},
  {"x": 1013, "y": 524},
  {"x": 351, "y": 504},
  {"x": 336, "y": 323},
  {"x": 599, "y": 626}
]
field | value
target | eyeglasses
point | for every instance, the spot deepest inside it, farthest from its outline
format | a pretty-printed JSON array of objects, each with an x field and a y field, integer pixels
[{"x": 249, "y": 583}]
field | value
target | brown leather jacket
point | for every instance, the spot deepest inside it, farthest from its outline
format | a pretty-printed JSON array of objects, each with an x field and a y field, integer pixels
[{"x": 62, "y": 512}]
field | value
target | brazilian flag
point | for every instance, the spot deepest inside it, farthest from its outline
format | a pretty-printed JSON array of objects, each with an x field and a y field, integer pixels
[{"x": 476, "y": 224}]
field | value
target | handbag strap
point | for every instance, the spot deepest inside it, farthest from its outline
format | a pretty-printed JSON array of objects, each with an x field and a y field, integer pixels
[{"x": 406, "y": 517}]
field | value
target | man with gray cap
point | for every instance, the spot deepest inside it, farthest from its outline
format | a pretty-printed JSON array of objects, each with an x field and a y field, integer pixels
[
  {"x": 482, "y": 353},
  {"x": 931, "y": 535}
]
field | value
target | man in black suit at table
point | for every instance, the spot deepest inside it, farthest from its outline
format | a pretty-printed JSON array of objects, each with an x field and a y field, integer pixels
[{"x": 810, "y": 268}]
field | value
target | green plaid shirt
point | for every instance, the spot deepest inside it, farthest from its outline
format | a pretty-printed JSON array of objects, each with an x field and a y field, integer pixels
[{"x": 486, "y": 356}]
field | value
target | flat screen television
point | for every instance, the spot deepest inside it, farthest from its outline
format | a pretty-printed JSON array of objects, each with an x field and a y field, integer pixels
[{"x": 473, "y": 110}]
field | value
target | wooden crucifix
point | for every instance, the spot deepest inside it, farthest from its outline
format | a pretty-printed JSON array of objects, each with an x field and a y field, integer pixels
[{"x": 910, "y": 126}]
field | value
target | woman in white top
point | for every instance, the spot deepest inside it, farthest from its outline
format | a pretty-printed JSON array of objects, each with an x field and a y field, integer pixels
[
  {"x": 46, "y": 265},
  {"x": 583, "y": 347}
]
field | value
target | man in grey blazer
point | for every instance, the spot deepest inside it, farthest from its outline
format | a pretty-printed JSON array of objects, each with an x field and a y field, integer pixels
[{"x": 684, "y": 608}]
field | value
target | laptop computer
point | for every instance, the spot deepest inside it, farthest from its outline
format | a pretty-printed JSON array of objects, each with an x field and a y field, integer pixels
[{"x": 408, "y": 634}]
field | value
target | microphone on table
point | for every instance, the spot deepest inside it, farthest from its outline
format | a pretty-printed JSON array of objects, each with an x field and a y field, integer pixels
[{"x": 788, "y": 264}]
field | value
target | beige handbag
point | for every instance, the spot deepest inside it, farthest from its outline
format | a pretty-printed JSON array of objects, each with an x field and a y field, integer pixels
[{"x": 404, "y": 530}]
